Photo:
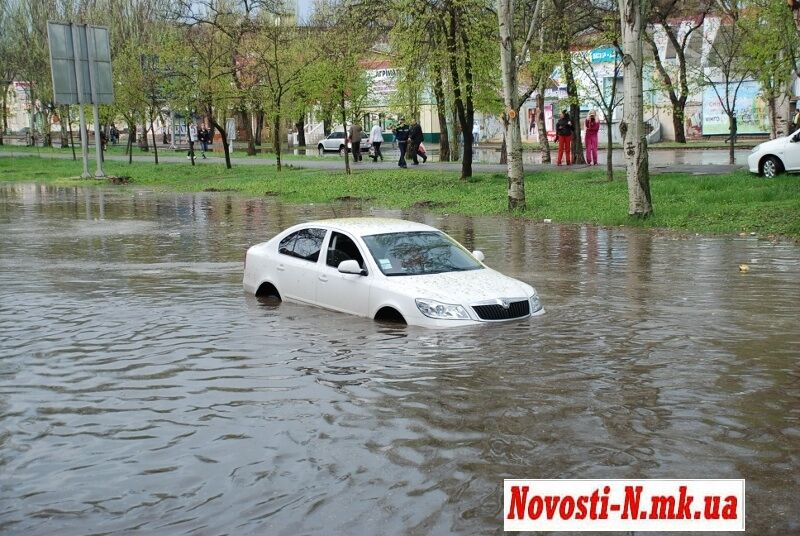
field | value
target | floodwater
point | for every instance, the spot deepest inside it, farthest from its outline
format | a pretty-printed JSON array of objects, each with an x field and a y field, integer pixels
[{"x": 140, "y": 388}]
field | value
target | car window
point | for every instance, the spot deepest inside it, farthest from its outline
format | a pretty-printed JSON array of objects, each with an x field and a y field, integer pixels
[
  {"x": 337, "y": 135},
  {"x": 342, "y": 248},
  {"x": 304, "y": 244},
  {"x": 418, "y": 253}
]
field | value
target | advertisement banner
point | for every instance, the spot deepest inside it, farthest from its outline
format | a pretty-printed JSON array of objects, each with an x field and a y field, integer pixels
[{"x": 752, "y": 114}]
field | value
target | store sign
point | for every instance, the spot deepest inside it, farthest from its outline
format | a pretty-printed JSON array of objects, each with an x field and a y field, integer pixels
[{"x": 604, "y": 55}]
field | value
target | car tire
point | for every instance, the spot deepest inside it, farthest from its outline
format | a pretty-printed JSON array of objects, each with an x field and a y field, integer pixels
[
  {"x": 341, "y": 150},
  {"x": 771, "y": 167},
  {"x": 320, "y": 149}
]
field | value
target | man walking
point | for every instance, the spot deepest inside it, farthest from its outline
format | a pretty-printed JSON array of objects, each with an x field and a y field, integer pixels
[
  {"x": 192, "y": 130},
  {"x": 355, "y": 140},
  {"x": 401, "y": 133},
  {"x": 205, "y": 138},
  {"x": 376, "y": 138},
  {"x": 416, "y": 137}
]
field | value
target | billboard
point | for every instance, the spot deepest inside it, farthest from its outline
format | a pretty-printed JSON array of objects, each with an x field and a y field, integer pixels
[
  {"x": 92, "y": 46},
  {"x": 752, "y": 113}
]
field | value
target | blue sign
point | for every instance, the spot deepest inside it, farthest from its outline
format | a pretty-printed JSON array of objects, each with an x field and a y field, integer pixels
[{"x": 604, "y": 55}]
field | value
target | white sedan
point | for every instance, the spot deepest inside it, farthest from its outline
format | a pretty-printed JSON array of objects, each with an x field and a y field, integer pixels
[
  {"x": 776, "y": 156},
  {"x": 386, "y": 269}
]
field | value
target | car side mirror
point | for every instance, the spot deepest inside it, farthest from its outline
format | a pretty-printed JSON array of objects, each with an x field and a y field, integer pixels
[
  {"x": 478, "y": 255},
  {"x": 795, "y": 138},
  {"x": 350, "y": 267}
]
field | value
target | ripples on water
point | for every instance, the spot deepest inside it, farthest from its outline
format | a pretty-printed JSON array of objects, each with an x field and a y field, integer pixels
[{"x": 140, "y": 388}]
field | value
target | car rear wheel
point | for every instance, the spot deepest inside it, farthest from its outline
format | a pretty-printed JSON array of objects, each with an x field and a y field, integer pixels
[
  {"x": 771, "y": 167},
  {"x": 321, "y": 149}
]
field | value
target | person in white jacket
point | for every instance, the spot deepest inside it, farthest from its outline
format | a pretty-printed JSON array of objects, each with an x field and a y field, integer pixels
[{"x": 376, "y": 138}]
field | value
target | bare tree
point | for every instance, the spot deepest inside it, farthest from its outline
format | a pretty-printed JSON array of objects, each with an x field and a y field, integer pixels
[
  {"x": 678, "y": 33},
  {"x": 510, "y": 63}
]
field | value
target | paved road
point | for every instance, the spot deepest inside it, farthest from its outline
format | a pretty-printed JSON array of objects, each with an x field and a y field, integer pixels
[{"x": 707, "y": 161}]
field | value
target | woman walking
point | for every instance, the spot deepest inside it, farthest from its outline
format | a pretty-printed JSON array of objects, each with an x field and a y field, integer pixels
[
  {"x": 592, "y": 128},
  {"x": 564, "y": 135}
]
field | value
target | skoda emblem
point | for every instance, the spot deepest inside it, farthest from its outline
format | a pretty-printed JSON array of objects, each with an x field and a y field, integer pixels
[{"x": 504, "y": 303}]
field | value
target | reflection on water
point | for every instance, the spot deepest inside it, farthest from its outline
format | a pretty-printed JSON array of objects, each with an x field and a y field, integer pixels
[{"x": 141, "y": 388}]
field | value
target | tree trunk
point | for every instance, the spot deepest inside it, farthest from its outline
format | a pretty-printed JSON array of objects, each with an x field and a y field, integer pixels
[
  {"x": 457, "y": 141},
  {"x": 131, "y": 136},
  {"x": 574, "y": 110},
  {"x": 152, "y": 129},
  {"x": 276, "y": 144},
  {"x": 247, "y": 118},
  {"x": 773, "y": 116},
  {"x": 609, "y": 149},
  {"x": 732, "y": 139},
  {"x": 259, "y": 126},
  {"x": 222, "y": 133},
  {"x": 544, "y": 143},
  {"x": 441, "y": 112},
  {"x": 301, "y": 130},
  {"x": 344, "y": 126},
  {"x": 678, "y": 123},
  {"x": 69, "y": 127},
  {"x": 63, "y": 133},
  {"x": 634, "y": 139},
  {"x": 4, "y": 125},
  {"x": 465, "y": 115},
  {"x": 512, "y": 140},
  {"x": 143, "y": 144}
]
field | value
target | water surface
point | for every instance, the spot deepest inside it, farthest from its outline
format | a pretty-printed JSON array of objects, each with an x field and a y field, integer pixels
[{"x": 140, "y": 388}]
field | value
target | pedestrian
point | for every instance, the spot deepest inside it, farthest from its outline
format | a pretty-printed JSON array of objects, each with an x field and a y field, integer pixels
[
  {"x": 355, "y": 140},
  {"x": 376, "y": 138},
  {"x": 796, "y": 120},
  {"x": 592, "y": 128},
  {"x": 401, "y": 133},
  {"x": 564, "y": 137},
  {"x": 114, "y": 134},
  {"x": 415, "y": 138},
  {"x": 205, "y": 138},
  {"x": 476, "y": 133},
  {"x": 192, "y": 130}
]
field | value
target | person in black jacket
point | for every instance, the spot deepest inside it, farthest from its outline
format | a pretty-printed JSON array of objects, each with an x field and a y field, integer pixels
[
  {"x": 416, "y": 137},
  {"x": 401, "y": 134},
  {"x": 564, "y": 135}
]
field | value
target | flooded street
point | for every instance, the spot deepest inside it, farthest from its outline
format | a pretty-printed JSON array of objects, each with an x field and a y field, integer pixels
[{"x": 141, "y": 388}]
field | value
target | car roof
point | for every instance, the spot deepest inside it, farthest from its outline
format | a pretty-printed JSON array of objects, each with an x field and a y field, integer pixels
[{"x": 371, "y": 226}]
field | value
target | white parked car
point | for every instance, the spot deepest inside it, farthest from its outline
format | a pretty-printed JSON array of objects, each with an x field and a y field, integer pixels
[
  {"x": 386, "y": 269},
  {"x": 776, "y": 156},
  {"x": 335, "y": 142}
]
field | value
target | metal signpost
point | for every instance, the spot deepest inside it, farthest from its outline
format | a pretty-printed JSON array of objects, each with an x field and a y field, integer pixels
[{"x": 80, "y": 61}]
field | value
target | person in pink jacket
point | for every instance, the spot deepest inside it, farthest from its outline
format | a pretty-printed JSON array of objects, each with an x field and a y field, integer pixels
[{"x": 592, "y": 127}]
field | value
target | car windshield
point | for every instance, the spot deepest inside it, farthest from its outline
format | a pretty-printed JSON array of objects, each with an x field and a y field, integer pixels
[{"x": 418, "y": 253}]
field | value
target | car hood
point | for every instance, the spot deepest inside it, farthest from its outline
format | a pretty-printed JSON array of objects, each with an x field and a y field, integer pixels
[
  {"x": 772, "y": 145},
  {"x": 461, "y": 287}
]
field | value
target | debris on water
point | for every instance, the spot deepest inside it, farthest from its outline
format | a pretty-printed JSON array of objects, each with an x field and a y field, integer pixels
[
  {"x": 744, "y": 268},
  {"x": 548, "y": 220},
  {"x": 114, "y": 179}
]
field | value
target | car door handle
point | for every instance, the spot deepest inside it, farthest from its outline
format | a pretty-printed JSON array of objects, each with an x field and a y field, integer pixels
[
  {"x": 280, "y": 268},
  {"x": 323, "y": 278}
]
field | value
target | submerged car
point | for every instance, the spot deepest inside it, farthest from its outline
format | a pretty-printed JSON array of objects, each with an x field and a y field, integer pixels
[
  {"x": 773, "y": 157},
  {"x": 386, "y": 269}
]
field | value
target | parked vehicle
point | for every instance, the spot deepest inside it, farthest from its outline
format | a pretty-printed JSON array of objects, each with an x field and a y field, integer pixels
[
  {"x": 773, "y": 157},
  {"x": 336, "y": 142},
  {"x": 386, "y": 269}
]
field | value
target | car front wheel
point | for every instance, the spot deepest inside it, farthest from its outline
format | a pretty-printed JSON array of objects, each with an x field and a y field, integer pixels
[{"x": 771, "y": 167}]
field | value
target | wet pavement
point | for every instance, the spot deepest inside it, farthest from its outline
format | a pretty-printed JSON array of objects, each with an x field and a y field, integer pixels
[{"x": 141, "y": 389}]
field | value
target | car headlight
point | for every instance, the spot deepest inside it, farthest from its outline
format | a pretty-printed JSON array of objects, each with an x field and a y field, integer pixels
[
  {"x": 443, "y": 311},
  {"x": 536, "y": 303}
]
